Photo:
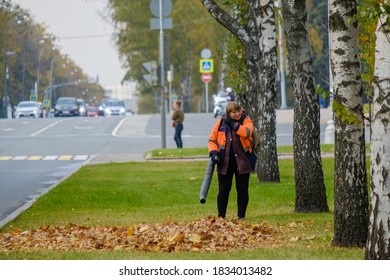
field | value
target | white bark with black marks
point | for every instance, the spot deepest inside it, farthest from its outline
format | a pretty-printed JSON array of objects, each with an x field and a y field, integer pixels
[
  {"x": 378, "y": 243},
  {"x": 350, "y": 176},
  {"x": 310, "y": 194}
]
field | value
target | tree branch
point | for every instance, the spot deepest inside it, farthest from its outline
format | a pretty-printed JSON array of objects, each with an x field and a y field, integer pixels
[{"x": 226, "y": 20}]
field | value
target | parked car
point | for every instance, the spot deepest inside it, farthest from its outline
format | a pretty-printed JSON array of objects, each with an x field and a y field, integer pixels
[
  {"x": 66, "y": 106},
  {"x": 82, "y": 107},
  {"x": 115, "y": 108},
  {"x": 28, "y": 109},
  {"x": 92, "y": 111}
]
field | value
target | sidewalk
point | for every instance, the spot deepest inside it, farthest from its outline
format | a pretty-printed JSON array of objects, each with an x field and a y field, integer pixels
[{"x": 287, "y": 116}]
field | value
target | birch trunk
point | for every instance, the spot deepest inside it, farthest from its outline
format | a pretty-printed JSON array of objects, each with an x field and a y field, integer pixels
[
  {"x": 378, "y": 243},
  {"x": 259, "y": 40},
  {"x": 267, "y": 168},
  {"x": 350, "y": 179},
  {"x": 310, "y": 195}
]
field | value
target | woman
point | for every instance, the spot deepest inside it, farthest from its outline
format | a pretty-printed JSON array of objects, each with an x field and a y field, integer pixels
[
  {"x": 178, "y": 118},
  {"x": 229, "y": 146}
]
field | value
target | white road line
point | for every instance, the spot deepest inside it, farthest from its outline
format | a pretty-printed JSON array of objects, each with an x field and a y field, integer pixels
[
  {"x": 50, "y": 158},
  {"x": 115, "y": 131},
  {"x": 80, "y": 157},
  {"x": 19, "y": 158},
  {"x": 45, "y": 128}
]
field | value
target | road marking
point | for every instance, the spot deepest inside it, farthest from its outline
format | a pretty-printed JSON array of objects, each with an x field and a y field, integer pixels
[
  {"x": 80, "y": 157},
  {"x": 5, "y": 158},
  {"x": 45, "y": 128},
  {"x": 51, "y": 157},
  {"x": 19, "y": 158},
  {"x": 115, "y": 131},
  {"x": 34, "y": 157},
  {"x": 84, "y": 127},
  {"x": 65, "y": 157}
]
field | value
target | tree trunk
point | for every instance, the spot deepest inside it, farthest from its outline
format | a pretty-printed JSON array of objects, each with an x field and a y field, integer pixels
[
  {"x": 259, "y": 40},
  {"x": 378, "y": 243},
  {"x": 310, "y": 195},
  {"x": 350, "y": 182},
  {"x": 267, "y": 168}
]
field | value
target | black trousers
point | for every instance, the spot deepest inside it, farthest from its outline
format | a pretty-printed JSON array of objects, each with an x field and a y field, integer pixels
[{"x": 224, "y": 187}]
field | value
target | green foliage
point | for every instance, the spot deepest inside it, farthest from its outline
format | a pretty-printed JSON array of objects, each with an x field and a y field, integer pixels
[
  {"x": 346, "y": 114},
  {"x": 317, "y": 25},
  {"x": 32, "y": 45},
  {"x": 367, "y": 17},
  {"x": 321, "y": 91}
]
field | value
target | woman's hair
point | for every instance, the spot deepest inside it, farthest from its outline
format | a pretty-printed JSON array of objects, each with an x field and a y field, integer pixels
[
  {"x": 233, "y": 106},
  {"x": 178, "y": 103}
]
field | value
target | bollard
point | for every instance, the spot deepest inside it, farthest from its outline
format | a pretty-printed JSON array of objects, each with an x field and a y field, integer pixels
[{"x": 329, "y": 133}]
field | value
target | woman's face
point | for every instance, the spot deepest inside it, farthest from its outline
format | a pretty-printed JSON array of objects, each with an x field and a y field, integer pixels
[{"x": 236, "y": 115}]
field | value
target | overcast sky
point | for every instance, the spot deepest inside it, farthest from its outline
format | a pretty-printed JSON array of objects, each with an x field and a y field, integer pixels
[{"x": 84, "y": 35}]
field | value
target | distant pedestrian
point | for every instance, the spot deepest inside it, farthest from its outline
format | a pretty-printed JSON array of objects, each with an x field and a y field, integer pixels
[
  {"x": 178, "y": 119},
  {"x": 231, "y": 94}
]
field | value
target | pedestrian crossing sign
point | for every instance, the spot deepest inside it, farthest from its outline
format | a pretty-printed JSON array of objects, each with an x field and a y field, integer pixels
[
  {"x": 206, "y": 66},
  {"x": 46, "y": 103}
]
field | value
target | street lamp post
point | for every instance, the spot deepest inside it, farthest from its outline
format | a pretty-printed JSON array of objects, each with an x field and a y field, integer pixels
[
  {"x": 162, "y": 77},
  {"x": 283, "y": 105}
]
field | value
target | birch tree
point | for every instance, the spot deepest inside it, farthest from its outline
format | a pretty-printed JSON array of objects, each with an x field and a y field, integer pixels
[
  {"x": 378, "y": 243},
  {"x": 310, "y": 195},
  {"x": 258, "y": 37},
  {"x": 350, "y": 179}
]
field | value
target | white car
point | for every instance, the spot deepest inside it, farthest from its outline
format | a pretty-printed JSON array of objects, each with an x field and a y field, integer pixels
[
  {"x": 28, "y": 109},
  {"x": 115, "y": 108}
]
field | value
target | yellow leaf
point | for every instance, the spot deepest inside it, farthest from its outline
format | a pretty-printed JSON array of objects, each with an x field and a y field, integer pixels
[
  {"x": 194, "y": 238},
  {"x": 130, "y": 231}
]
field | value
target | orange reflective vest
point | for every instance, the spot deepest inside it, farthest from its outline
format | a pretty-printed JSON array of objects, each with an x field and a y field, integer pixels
[{"x": 217, "y": 138}]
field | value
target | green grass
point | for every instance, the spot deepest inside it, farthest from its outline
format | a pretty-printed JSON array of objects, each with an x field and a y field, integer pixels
[{"x": 154, "y": 192}]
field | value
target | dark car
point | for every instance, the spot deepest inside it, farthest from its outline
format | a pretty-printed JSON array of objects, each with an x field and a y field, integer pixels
[{"x": 66, "y": 106}]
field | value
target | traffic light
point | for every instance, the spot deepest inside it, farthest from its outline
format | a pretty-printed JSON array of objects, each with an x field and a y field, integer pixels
[{"x": 151, "y": 67}]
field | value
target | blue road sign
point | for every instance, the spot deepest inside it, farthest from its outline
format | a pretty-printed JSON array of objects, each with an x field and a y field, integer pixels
[{"x": 206, "y": 66}]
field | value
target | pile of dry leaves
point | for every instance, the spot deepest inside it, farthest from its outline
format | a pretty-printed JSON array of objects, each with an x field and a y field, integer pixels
[{"x": 205, "y": 234}]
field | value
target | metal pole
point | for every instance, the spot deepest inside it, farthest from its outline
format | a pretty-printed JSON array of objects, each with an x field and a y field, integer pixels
[
  {"x": 163, "y": 129},
  {"x": 330, "y": 128},
  {"x": 38, "y": 72},
  {"x": 5, "y": 96},
  {"x": 24, "y": 72},
  {"x": 206, "y": 85},
  {"x": 51, "y": 83},
  {"x": 283, "y": 95}
]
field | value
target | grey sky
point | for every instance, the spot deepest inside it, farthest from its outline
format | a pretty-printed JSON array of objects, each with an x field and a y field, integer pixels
[{"x": 84, "y": 35}]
